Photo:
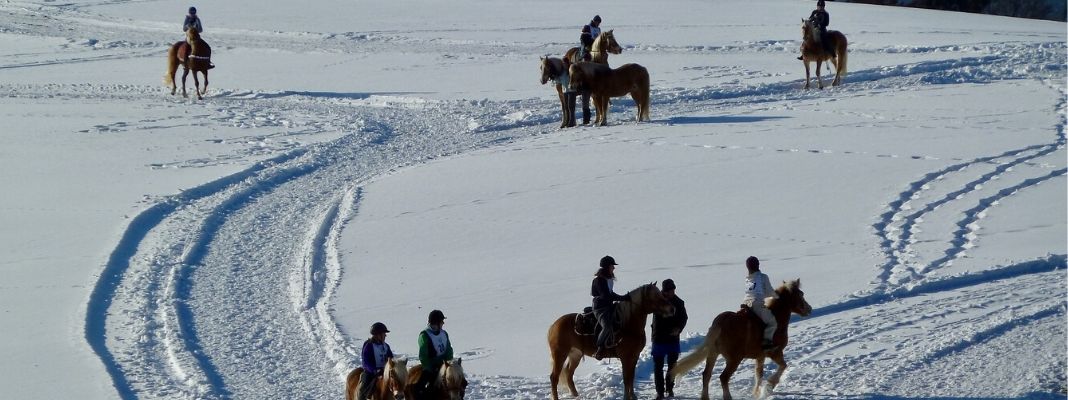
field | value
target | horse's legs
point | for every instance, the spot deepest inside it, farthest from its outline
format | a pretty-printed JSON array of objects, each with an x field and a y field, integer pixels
[
  {"x": 808, "y": 76},
  {"x": 185, "y": 73},
  {"x": 819, "y": 79},
  {"x": 573, "y": 360},
  {"x": 725, "y": 377},
  {"x": 706, "y": 376},
  {"x": 196, "y": 83},
  {"x": 759, "y": 376},
  {"x": 558, "y": 356},
  {"x": 563, "y": 106},
  {"x": 629, "y": 364},
  {"x": 602, "y": 110},
  {"x": 774, "y": 380},
  {"x": 205, "y": 81}
]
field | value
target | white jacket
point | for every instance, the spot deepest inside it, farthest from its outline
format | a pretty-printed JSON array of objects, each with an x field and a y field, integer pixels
[{"x": 757, "y": 288}]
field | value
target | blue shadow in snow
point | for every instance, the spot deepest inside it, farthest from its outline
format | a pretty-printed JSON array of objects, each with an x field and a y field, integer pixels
[{"x": 722, "y": 119}]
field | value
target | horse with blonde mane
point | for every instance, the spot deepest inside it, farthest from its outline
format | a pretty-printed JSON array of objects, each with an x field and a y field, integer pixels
[
  {"x": 451, "y": 383},
  {"x": 392, "y": 385},
  {"x": 566, "y": 344},
  {"x": 603, "y": 44},
  {"x": 604, "y": 82},
  {"x": 555, "y": 69},
  {"x": 738, "y": 335},
  {"x": 813, "y": 50},
  {"x": 193, "y": 54}
]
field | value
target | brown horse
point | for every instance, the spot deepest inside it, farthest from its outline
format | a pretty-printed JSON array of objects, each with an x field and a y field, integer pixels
[
  {"x": 737, "y": 336},
  {"x": 392, "y": 385},
  {"x": 451, "y": 384},
  {"x": 604, "y": 82},
  {"x": 566, "y": 344},
  {"x": 812, "y": 49},
  {"x": 193, "y": 54},
  {"x": 603, "y": 44},
  {"x": 555, "y": 69}
]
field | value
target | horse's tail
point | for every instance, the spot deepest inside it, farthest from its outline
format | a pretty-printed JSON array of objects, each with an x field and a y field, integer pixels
[
  {"x": 172, "y": 66},
  {"x": 843, "y": 59},
  {"x": 700, "y": 354},
  {"x": 352, "y": 382},
  {"x": 643, "y": 115}
]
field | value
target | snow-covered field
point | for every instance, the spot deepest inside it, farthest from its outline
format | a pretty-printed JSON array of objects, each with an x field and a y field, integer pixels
[{"x": 359, "y": 161}]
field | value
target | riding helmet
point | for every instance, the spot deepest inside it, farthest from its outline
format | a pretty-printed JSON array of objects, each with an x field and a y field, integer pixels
[
  {"x": 752, "y": 262},
  {"x": 597, "y": 18},
  {"x": 378, "y": 327},
  {"x": 436, "y": 317},
  {"x": 192, "y": 11},
  {"x": 820, "y": 3},
  {"x": 607, "y": 260}
]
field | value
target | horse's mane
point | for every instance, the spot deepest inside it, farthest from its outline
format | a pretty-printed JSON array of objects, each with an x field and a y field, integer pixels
[
  {"x": 787, "y": 287},
  {"x": 454, "y": 373}
]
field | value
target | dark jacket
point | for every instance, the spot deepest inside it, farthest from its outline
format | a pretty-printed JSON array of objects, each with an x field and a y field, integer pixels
[
  {"x": 586, "y": 38},
  {"x": 192, "y": 21},
  {"x": 603, "y": 296},
  {"x": 666, "y": 329},
  {"x": 820, "y": 19},
  {"x": 369, "y": 363}
]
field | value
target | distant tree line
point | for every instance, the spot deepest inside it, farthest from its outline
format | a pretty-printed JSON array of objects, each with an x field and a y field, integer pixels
[{"x": 1055, "y": 10}]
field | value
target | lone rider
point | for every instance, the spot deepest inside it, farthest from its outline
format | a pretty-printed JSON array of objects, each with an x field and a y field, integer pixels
[
  {"x": 192, "y": 21},
  {"x": 375, "y": 354},
  {"x": 757, "y": 289},
  {"x": 604, "y": 303},
  {"x": 820, "y": 19}
]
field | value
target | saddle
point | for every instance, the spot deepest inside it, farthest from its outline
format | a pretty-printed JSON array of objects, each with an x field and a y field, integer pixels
[{"x": 586, "y": 325}]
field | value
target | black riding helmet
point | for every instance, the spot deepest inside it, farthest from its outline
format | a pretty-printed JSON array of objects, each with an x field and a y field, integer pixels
[
  {"x": 378, "y": 327},
  {"x": 607, "y": 261},
  {"x": 192, "y": 11},
  {"x": 436, "y": 317}
]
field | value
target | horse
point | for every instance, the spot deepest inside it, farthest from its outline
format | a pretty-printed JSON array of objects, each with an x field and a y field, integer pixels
[
  {"x": 813, "y": 50},
  {"x": 604, "y": 82},
  {"x": 555, "y": 69},
  {"x": 392, "y": 385},
  {"x": 565, "y": 344},
  {"x": 603, "y": 44},
  {"x": 451, "y": 384},
  {"x": 738, "y": 335},
  {"x": 193, "y": 54}
]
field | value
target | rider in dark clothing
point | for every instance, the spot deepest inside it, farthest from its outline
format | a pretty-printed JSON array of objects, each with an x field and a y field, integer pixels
[
  {"x": 192, "y": 21},
  {"x": 604, "y": 302},
  {"x": 820, "y": 18},
  {"x": 666, "y": 346}
]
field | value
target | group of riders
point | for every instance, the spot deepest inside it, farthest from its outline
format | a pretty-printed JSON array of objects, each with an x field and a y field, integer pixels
[
  {"x": 819, "y": 19},
  {"x": 667, "y": 328},
  {"x": 434, "y": 350}
]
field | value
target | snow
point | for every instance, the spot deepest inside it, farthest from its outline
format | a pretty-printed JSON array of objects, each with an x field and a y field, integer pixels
[{"x": 357, "y": 162}]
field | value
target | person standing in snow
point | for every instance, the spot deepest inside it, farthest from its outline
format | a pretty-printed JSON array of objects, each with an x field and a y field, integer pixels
[
  {"x": 666, "y": 346},
  {"x": 604, "y": 303},
  {"x": 376, "y": 353},
  {"x": 757, "y": 289}
]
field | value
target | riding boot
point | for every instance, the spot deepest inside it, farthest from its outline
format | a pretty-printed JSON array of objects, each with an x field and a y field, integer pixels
[
  {"x": 586, "y": 108},
  {"x": 599, "y": 354}
]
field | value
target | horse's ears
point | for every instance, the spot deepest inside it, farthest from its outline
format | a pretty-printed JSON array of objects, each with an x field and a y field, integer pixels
[{"x": 459, "y": 360}]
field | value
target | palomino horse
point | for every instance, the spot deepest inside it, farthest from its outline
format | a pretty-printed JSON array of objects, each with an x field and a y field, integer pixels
[
  {"x": 604, "y": 82},
  {"x": 449, "y": 385},
  {"x": 555, "y": 69},
  {"x": 566, "y": 344},
  {"x": 812, "y": 49},
  {"x": 602, "y": 45},
  {"x": 392, "y": 385},
  {"x": 193, "y": 54},
  {"x": 737, "y": 336}
]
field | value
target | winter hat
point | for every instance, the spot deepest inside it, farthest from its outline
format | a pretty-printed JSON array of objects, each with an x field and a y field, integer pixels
[
  {"x": 192, "y": 11},
  {"x": 820, "y": 3},
  {"x": 597, "y": 18},
  {"x": 752, "y": 262}
]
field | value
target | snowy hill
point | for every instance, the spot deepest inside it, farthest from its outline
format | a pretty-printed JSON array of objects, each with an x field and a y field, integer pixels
[{"x": 357, "y": 162}]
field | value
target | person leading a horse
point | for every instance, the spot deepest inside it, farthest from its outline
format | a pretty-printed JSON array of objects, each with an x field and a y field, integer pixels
[
  {"x": 820, "y": 19},
  {"x": 589, "y": 33},
  {"x": 666, "y": 344},
  {"x": 434, "y": 350},
  {"x": 604, "y": 303},
  {"x": 376, "y": 353},
  {"x": 757, "y": 289}
]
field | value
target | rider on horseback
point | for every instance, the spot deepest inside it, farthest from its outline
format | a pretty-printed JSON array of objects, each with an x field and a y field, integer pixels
[
  {"x": 604, "y": 303},
  {"x": 434, "y": 350},
  {"x": 757, "y": 288},
  {"x": 589, "y": 33},
  {"x": 375, "y": 354},
  {"x": 192, "y": 21},
  {"x": 820, "y": 19}
]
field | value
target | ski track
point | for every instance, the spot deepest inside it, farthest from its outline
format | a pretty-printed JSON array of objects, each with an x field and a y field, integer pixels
[{"x": 237, "y": 275}]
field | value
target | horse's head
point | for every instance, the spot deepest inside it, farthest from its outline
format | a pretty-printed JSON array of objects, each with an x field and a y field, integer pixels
[
  {"x": 192, "y": 34},
  {"x": 606, "y": 41},
  {"x": 791, "y": 296},
  {"x": 551, "y": 68},
  {"x": 451, "y": 379},
  {"x": 396, "y": 376},
  {"x": 650, "y": 299}
]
